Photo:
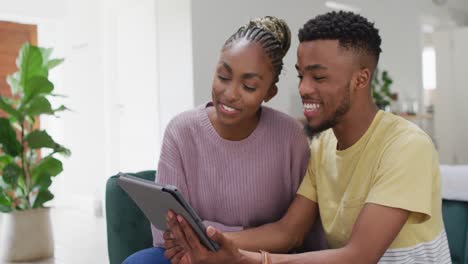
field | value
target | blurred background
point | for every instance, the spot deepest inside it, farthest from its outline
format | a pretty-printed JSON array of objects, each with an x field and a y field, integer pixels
[{"x": 132, "y": 65}]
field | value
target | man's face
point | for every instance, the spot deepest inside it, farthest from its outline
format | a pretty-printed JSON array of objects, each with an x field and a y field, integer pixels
[{"x": 325, "y": 73}]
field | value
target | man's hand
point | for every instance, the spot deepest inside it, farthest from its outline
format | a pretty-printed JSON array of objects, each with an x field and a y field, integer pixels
[{"x": 194, "y": 252}]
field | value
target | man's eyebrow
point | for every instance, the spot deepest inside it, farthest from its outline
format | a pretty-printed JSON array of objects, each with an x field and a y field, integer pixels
[{"x": 312, "y": 67}]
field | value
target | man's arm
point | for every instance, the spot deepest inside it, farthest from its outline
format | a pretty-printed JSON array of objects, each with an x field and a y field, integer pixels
[
  {"x": 374, "y": 231},
  {"x": 283, "y": 235}
]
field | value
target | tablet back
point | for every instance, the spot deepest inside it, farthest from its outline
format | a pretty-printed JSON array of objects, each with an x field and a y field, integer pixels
[{"x": 155, "y": 202}]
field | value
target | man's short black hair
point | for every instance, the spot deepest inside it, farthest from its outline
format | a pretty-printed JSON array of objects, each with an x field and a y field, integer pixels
[{"x": 353, "y": 32}]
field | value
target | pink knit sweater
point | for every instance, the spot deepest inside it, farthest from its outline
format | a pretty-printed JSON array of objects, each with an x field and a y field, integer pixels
[{"x": 234, "y": 185}]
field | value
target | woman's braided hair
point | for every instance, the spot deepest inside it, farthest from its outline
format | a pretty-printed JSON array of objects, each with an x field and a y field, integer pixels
[{"x": 272, "y": 34}]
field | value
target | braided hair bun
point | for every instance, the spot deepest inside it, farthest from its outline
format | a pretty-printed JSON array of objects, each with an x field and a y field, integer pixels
[
  {"x": 272, "y": 34},
  {"x": 277, "y": 27}
]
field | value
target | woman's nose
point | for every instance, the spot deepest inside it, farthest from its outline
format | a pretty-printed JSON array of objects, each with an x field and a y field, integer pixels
[{"x": 231, "y": 92}]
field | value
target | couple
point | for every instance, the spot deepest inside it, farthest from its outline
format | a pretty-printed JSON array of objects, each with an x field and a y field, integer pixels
[{"x": 372, "y": 178}]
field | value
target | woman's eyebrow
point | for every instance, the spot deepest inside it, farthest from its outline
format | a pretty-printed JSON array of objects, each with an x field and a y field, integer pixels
[{"x": 250, "y": 75}]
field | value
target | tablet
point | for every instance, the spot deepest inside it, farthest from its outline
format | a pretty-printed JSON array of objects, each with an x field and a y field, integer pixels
[{"x": 156, "y": 200}]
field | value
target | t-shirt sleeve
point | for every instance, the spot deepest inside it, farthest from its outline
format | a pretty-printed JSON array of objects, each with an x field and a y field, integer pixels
[
  {"x": 405, "y": 177},
  {"x": 308, "y": 186}
]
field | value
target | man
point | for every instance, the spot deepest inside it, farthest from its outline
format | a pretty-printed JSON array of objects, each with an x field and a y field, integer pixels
[{"x": 373, "y": 177}]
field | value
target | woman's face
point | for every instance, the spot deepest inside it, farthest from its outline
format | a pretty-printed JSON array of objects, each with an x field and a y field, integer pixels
[{"x": 242, "y": 80}]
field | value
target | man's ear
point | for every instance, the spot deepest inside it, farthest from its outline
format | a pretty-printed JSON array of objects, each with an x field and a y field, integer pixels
[
  {"x": 271, "y": 93},
  {"x": 363, "y": 78}
]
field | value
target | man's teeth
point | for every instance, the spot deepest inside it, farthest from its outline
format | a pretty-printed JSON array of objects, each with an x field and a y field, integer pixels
[
  {"x": 311, "y": 107},
  {"x": 227, "y": 108}
]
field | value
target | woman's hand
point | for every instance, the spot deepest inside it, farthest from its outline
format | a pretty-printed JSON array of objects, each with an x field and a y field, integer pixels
[
  {"x": 194, "y": 252},
  {"x": 174, "y": 252}
]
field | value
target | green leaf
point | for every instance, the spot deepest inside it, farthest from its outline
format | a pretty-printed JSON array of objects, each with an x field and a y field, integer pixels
[
  {"x": 63, "y": 150},
  {"x": 46, "y": 52},
  {"x": 11, "y": 101},
  {"x": 4, "y": 160},
  {"x": 59, "y": 95},
  {"x": 47, "y": 62},
  {"x": 21, "y": 187},
  {"x": 38, "y": 106},
  {"x": 54, "y": 63},
  {"x": 380, "y": 88},
  {"x": 43, "y": 182},
  {"x": 8, "y": 140},
  {"x": 37, "y": 85},
  {"x": 11, "y": 173},
  {"x": 14, "y": 83},
  {"x": 47, "y": 167},
  {"x": 5, "y": 202},
  {"x": 61, "y": 108},
  {"x": 29, "y": 63},
  {"x": 9, "y": 109},
  {"x": 40, "y": 139},
  {"x": 42, "y": 197}
]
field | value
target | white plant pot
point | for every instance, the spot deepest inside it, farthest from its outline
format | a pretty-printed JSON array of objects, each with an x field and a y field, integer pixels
[{"x": 26, "y": 236}]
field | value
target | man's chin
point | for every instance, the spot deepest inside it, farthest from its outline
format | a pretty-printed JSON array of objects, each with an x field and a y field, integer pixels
[{"x": 314, "y": 130}]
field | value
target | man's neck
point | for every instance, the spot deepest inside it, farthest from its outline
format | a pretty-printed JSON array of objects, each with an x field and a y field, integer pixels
[{"x": 354, "y": 125}]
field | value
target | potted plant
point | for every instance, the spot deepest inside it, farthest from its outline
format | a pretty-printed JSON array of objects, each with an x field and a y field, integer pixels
[
  {"x": 381, "y": 92},
  {"x": 28, "y": 158}
]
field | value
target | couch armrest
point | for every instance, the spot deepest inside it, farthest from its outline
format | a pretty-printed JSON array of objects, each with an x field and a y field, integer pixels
[
  {"x": 128, "y": 230},
  {"x": 455, "y": 214}
]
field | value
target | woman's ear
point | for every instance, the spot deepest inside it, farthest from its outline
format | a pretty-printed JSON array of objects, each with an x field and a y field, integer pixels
[{"x": 271, "y": 93}]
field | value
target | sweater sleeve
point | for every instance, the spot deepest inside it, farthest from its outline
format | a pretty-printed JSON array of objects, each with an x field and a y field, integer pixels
[
  {"x": 300, "y": 155},
  {"x": 171, "y": 170}
]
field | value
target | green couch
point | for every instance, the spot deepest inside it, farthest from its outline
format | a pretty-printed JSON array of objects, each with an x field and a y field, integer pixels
[
  {"x": 456, "y": 224},
  {"x": 128, "y": 230}
]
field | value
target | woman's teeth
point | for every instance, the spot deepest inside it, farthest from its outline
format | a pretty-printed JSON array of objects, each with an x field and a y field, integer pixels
[{"x": 227, "y": 108}]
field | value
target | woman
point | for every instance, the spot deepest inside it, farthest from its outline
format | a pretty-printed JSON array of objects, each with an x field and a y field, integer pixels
[{"x": 238, "y": 163}]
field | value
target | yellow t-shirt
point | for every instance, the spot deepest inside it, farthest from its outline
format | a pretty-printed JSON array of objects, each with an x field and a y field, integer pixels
[{"x": 393, "y": 164}]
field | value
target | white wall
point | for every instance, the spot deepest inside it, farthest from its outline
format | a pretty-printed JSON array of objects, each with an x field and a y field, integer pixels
[
  {"x": 214, "y": 21},
  {"x": 401, "y": 45},
  {"x": 451, "y": 119},
  {"x": 110, "y": 76},
  {"x": 115, "y": 85},
  {"x": 132, "y": 65},
  {"x": 84, "y": 126},
  {"x": 460, "y": 40},
  {"x": 444, "y": 114},
  {"x": 175, "y": 64},
  {"x": 400, "y": 24},
  {"x": 33, "y": 9},
  {"x": 135, "y": 84}
]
